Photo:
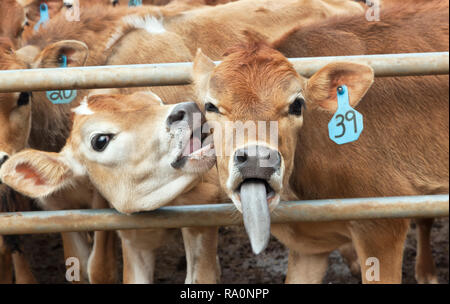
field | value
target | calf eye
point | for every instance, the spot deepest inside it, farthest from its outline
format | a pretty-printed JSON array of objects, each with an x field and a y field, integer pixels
[
  {"x": 295, "y": 108},
  {"x": 24, "y": 99},
  {"x": 209, "y": 107},
  {"x": 100, "y": 141}
]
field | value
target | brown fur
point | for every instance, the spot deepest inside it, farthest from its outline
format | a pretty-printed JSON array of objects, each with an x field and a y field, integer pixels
[
  {"x": 376, "y": 164},
  {"x": 12, "y": 20},
  {"x": 379, "y": 38}
]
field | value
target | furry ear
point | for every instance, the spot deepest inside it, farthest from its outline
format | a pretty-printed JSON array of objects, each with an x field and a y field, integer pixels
[
  {"x": 27, "y": 54},
  {"x": 76, "y": 52},
  {"x": 321, "y": 88},
  {"x": 202, "y": 65},
  {"x": 202, "y": 70},
  {"x": 36, "y": 173}
]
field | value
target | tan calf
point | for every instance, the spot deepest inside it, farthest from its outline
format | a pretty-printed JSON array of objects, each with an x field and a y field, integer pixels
[
  {"x": 140, "y": 154},
  {"x": 256, "y": 83}
]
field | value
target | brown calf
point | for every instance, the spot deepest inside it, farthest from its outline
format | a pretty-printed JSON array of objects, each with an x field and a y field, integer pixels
[
  {"x": 139, "y": 155},
  {"x": 360, "y": 40},
  {"x": 256, "y": 83}
]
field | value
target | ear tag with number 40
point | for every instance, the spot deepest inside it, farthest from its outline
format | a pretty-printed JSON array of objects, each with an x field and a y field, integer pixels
[
  {"x": 347, "y": 123},
  {"x": 62, "y": 96},
  {"x": 44, "y": 16},
  {"x": 135, "y": 3}
]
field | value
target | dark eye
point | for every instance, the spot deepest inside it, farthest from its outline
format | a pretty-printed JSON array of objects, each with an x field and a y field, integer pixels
[
  {"x": 100, "y": 141},
  {"x": 296, "y": 107},
  {"x": 209, "y": 107},
  {"x": 24, "y": 99}
]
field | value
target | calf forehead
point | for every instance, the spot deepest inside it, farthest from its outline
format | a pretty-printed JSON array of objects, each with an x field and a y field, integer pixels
[
  {"x": 123, "y": 111},
  {"x": 254, "y": 82}
]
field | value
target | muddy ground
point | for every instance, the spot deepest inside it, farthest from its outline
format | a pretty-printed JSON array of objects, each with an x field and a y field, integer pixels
[{"x": 238, "y": 263}]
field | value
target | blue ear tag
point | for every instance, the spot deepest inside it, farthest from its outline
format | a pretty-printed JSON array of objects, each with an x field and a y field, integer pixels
[
  {"x": 43, "y": 9},
  {"x": 62, "y": 96},
  {"x": 135, "y": 3},
  {"x": 347, "y": 123}
]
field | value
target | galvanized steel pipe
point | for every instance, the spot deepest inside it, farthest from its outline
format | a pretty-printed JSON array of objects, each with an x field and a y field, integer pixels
[
  {"x": 413, "y": 64},
  {"x": 223, "y": 214}
]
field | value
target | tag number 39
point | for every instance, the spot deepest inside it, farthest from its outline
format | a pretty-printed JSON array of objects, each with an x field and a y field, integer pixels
[{"x": 349, "y": 116}]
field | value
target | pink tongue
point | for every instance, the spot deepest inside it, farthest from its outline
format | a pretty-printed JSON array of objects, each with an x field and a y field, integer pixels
[{"x": 193, "y": 145}]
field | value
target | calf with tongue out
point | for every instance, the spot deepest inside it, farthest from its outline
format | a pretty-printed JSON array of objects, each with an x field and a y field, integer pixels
[{"x": 256, "y": 165}]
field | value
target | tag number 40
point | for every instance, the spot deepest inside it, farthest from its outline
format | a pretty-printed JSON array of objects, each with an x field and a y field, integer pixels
[{"x": 349, "y": 116}]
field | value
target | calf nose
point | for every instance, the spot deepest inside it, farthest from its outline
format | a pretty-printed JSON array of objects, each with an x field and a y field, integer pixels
[
  {"x": 257, "y": 162},
  {"x": 186, "y": 112},
  {"x": 3, "y": 159}
]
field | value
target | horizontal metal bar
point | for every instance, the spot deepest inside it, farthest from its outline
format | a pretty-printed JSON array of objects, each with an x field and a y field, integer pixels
[
  {"x": 223, "y": 214},
  {"x": 141, "y": 75}
]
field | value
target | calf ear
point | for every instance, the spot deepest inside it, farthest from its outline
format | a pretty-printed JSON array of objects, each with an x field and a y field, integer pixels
[
  {"x": 202, "y": 69},
  {"x": 27, "y": 54},
  {"x": 35, "y": 173},
  {"x": 321, "y": 88},
  {"x": 76, "y": 52}
]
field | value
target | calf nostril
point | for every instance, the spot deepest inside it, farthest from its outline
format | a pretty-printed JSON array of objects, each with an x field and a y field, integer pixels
[
  {"x": 178, "y": 116},
  {"x": 278, "y": 161},
  {"x": 265, "y": 155},
  {"x": 240, "y": 157},
  {"x": 3, "y": 159}
]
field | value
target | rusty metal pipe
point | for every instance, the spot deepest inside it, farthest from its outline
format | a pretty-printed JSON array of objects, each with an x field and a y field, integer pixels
[
  {"x": 413, "y": 64},
  {"x": 223, "y": 214}
]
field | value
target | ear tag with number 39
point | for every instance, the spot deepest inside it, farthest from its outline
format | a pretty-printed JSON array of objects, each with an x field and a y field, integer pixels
[
  {"x": 44, "y": 16},
  {"x": 347, "y": 123},
  {"x": 62, "y": 96},
  {"x": 135, "y": 3}
]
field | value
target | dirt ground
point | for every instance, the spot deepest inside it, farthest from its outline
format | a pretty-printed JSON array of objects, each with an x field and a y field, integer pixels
[{"x": 238, "y": 263}]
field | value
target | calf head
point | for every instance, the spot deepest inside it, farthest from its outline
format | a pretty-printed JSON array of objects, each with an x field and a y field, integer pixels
[
  {"x": 16, "y": 108},
  {"x": 255, "y": 102},
  {"x": 138, "y": 152}
]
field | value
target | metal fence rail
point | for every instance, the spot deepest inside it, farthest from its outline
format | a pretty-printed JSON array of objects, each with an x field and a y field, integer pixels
[
  {"x": 223, "y": 214},
  {"x": 413, "y": 64}
]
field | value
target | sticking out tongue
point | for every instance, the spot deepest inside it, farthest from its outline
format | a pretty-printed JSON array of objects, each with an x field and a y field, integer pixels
[
  {"x": 255, "y": 210},
  {"x": 194, "y": 144}
]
